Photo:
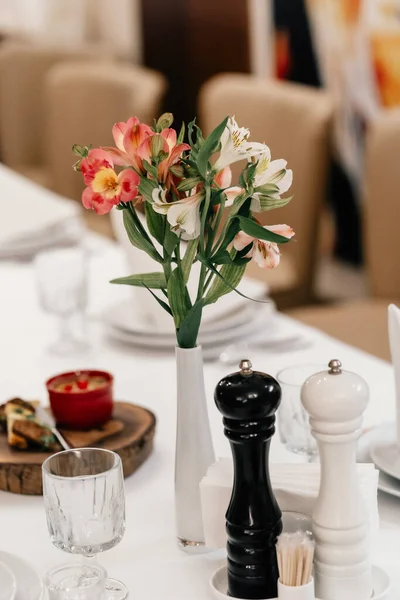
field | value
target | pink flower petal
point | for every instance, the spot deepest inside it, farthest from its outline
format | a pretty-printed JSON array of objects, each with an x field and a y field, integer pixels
[
  {"x": 92, "y": 200},
  {"x": 118, "y": 132},
  {"x": 96, "y": 159},
  {"x": 231, "y": 194},
  {"x": 266, "y": 254},
  {"x": 119, "y": 157},
  {"x": 170, "y": 136},
  {"x": 242, "y": 240},
  {"x": 283, "y": 230},
  {"x": 134, "y": 136},
  {"x": 223, "y": 178},
  {"x": 129, "y": 181}
]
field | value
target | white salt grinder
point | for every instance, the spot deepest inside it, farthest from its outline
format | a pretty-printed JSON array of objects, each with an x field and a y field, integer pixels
[{"x": 335, "y": 401}]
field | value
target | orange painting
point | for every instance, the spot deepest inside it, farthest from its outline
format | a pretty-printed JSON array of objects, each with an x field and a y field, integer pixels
[
  {"x": 349, "y": 11},
  {"x": 386, "y": 58}
]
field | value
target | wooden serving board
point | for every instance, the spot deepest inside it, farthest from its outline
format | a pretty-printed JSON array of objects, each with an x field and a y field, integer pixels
[{"x": 21, "y": 471}]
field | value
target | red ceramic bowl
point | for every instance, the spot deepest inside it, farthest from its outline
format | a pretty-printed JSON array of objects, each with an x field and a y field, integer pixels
[{"x": 81, "y": 408}]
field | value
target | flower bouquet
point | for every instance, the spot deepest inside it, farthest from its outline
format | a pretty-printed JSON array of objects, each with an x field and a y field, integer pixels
[
  {"x": 187, "y": 195},
  {"x": 184, "y": 194}
]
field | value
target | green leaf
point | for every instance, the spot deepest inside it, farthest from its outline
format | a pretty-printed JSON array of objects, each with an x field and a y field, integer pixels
[
  {"x": 188, "y": 259},
  {"x": 222, "y": 257},
  {"x": 181, "y": 135},
  {"x": 188, "y": 331},
  {"x": 136, "y": 238},
  {"x": 209, "y": 147},
  {"x": 178, "y": 297},
  {"x": 151, "y": 169},
  {"x": 146, "y": 187},
  {"x": 257, "y": 231},
  {"x": 188, "y": 184},
  {"x": 267, "y": 189},
  {"x": 170, "y": 240},
  {"x": 155, "y": 223},
  {"x": 160, "y": 302},
  {"x": 249, "y": 173},
  {"x": 191, "y": 129},
  {"x": 227, "y": 280},
  {"x": 263, "y": 203},
  {"x": 155, "y": 281}
]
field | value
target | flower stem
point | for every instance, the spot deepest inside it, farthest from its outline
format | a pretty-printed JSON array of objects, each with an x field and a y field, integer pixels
[
  {"x": 203, "y": 269},
  {"x": 208, "y": 280}
]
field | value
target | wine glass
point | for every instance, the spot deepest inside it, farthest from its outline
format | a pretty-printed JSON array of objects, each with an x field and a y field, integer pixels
[
  {"x": 293, "y": 421},
  {"x": 63, "y": 583},
  {"x": 84, "y": 498},
  {"x": 61, "y": 275}
]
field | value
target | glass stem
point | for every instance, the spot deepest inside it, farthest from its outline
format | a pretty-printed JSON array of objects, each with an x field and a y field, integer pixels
[
  {"x": 65, "y": 329},
  {"x": 90, "y": 560}
]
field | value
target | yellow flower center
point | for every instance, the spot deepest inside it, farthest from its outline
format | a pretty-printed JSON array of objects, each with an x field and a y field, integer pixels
[
  {"x": 239, "y": 136},
  {"x": 262, "y": 165},
  {"x": 106, "y": 183}
]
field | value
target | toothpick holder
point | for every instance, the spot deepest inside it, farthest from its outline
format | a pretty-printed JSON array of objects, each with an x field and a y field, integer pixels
[{"x": 296, "y": 592}]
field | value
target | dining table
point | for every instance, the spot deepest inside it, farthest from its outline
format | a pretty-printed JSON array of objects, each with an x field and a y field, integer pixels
[{"x": 148, "y": 558}]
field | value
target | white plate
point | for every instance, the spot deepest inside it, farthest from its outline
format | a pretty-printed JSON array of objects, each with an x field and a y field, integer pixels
[
  {"x": 385, "y": 452},
  {"x": 380, "y": 583},
  {"x": 124, "y": 318},
  {"x": 371, "y": 438},
  {"x": 29, "y": 582},
  {"x": 8, "y": 584},
  {"x": 163, "y": 342}
]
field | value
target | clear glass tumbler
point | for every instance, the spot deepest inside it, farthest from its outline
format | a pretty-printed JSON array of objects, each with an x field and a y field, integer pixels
[
  {"x": 63, "y": 583},
  {"x": 84, "y": 499},
  {"x": 293, "y": 421},
  {"x": 61, "y": 275}
]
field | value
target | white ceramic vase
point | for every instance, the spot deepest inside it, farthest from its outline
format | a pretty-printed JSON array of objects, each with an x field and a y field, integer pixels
[{"x": 194, "y": 448}]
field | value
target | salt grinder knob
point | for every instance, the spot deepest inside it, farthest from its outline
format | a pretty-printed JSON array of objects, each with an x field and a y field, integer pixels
[
  {"x": 248, "y": 401},
  {"x": 335, "y": 401}
]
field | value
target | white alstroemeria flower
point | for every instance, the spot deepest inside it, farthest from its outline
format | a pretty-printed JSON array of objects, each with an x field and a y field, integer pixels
[
  {"x": 159, "y": 195},
  {"x": 235, "y": 145},
  {"x": 183, "y": 215},
  {"x": 265, "y": 254},
  {"x": 270, "y": 173}
]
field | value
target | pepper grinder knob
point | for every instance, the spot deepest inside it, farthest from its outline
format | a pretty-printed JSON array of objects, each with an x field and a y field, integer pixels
[
  {"x": 335, "y": 401},
  {"x": 248, "y": 401}
]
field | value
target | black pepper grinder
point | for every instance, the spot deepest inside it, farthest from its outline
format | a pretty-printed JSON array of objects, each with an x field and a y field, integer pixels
[{"x": 248, "y": 401}]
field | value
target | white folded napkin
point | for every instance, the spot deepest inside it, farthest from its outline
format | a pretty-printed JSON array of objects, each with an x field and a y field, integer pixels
[
  {"x": 140, "y": 262},
  {"x": 295, "y": 486},
  {"x": 34, "y": 218},
  {"x": 394, "y": 339}
]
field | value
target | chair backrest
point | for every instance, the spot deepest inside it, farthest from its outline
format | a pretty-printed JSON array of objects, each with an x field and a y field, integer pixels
[
  {"x": 23, "y": 69},
  {"x": 294, "y": 121},
  {"x": 84, "y": 101},
  {"x": 382, "y": 207}
]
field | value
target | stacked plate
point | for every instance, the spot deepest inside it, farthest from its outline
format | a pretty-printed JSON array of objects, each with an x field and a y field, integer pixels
[
  {"x": 18, "y": 579},
  {"x": 125, "y": 325},
  {"x": 384, "y": 450}
]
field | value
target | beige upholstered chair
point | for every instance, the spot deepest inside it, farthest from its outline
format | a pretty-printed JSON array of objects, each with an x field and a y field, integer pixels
[
  {"x": 295, "y": 122},
  {"x": 364, "y": 323},
  {"x": 23, "y": 70},
  {"x": 84, "y": 101}
]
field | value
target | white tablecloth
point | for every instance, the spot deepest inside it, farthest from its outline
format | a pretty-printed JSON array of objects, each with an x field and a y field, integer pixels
[{"x": 148, "y": 559}]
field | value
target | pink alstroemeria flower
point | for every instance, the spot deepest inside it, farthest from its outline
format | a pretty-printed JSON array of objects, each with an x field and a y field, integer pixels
[
  {"x": 128, "y": 137},
  {"x": 95, "y": 160},
  {"x": 108, "y": 189},
  {"x": 173, "y": 150},
  {"x": 265, "y": 254}
]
